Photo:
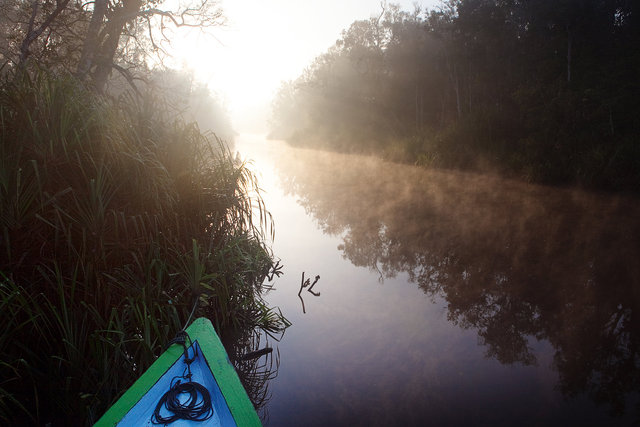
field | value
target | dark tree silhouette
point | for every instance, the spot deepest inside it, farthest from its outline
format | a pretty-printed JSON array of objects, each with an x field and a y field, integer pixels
[{"x": 543, "y": 90}]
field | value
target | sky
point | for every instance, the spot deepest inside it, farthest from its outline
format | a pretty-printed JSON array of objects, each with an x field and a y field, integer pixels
[{"x": 265, "y": 42}]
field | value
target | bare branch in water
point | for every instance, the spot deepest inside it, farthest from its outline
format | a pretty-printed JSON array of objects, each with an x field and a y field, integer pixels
[{"x": 307, "y": 283}]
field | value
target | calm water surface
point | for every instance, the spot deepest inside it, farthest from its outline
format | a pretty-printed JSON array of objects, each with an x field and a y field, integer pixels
[{"x": 448, "y": 298}]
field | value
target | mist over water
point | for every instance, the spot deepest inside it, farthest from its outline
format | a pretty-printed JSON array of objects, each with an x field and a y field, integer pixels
[{"x": 449, "y": 298}]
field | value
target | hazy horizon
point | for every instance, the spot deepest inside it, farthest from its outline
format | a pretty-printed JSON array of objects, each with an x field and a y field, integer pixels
[{"x": 254, "y": 52}]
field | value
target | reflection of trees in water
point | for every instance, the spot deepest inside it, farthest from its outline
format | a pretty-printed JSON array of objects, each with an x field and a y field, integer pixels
[{"x": 513, "y": 261}]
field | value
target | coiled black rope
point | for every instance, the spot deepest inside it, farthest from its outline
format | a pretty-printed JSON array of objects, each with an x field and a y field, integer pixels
[{"x": 196, "y": 408}]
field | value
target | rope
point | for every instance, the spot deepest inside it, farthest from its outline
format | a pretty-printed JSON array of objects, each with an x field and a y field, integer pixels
[
  {"x": 193, "y": 409},
  {"x": 197, "y": 407},
  {"x": 193, "y": 310}
]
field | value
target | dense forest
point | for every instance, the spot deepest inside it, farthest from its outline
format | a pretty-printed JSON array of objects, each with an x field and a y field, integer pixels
[{"x": 542, "y": 90}]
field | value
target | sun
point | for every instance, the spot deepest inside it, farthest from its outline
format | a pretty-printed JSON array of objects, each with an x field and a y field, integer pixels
[{"x": 240, "y": 74}]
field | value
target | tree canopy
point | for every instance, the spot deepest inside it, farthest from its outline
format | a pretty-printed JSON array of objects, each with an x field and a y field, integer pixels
[
  {"x": 543, "y": 90},
  {"x": 91, "y": 39}
]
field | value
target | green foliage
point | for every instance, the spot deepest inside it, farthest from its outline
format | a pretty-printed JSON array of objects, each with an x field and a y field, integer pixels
[
  {"x": 534, "y": 89},
  {"x": 114, "y": 218}
]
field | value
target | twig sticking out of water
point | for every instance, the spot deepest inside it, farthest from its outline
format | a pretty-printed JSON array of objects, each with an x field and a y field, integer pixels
[
  {"x": 307, "y": 283},
  {"x": 316, "y": 294}
]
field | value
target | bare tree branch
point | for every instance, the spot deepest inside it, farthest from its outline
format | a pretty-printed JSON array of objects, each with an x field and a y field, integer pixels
[
  {"x": 128, "y": 77},
  {"x": 32, "y": 34}
]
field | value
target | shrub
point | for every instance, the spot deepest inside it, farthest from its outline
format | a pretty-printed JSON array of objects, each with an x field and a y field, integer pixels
[{"x": 114, "y": 218}]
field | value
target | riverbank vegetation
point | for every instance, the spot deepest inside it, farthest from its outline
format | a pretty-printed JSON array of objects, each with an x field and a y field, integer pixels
[
  {"x": 121, "y": 215},
  {"x": 545, "y": 91},
  {"x": 115, "y": 218}
]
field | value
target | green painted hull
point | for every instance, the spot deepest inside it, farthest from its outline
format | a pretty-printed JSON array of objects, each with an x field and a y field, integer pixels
[{"x": 233, "y": 395}]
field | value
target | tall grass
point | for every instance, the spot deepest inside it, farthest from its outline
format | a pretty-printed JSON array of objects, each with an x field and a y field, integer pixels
[{"x": 114, "y": 218}]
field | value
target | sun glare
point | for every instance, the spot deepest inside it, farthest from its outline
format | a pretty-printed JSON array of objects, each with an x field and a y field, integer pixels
[
  {"x": 243, "y": 62},
  {"x": 263, "y": 44}
]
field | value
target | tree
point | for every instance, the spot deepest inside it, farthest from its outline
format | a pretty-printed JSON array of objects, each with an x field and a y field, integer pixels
[
  {"x": 100, "y": 36},
  {"x": 544, "y": 90}
]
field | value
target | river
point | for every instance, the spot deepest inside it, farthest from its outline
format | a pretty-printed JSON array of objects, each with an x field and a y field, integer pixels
[{"x": 447, "y": 298}]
